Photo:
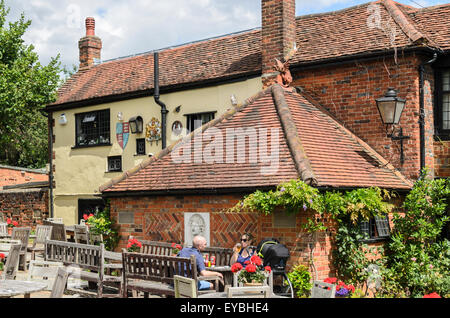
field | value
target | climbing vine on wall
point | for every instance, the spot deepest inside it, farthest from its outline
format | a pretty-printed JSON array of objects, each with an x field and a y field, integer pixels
[{"x": 345, "y": 208}]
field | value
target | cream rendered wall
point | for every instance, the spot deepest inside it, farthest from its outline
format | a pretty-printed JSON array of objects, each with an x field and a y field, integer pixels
[{"x": 79, "y": 172}]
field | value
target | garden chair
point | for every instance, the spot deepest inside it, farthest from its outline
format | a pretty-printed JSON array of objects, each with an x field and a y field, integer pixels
[
  {"x": 12, "y": 262},
  {"x": 58, "y": 231},
  {"x": 43, "y": 232},
  {"x": 3, "y": 229},
  {"x": 22, "y": 234},
  {"x": 95, "y": 239},
  {"x": 59, "y": 286},
  {"x": 323, "y": 290},
  {"x": 81, "y": 234},
  {"x": 44, "y": 271},
  {"x": 249, "y": 292},
  {"x": 184, "y": 287}
]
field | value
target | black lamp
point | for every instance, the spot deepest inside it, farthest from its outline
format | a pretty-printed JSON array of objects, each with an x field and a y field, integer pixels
[
  {"x": 390, "y": 108},
  {"x": 136, "y": 124}
]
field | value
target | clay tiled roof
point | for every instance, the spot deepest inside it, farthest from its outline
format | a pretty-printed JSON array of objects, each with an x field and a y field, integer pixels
[
  {"x": 320, "y": 37},
  {"x": 312, "y": 146}
]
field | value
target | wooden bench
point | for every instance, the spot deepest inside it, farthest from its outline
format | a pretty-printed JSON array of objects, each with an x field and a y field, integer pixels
[
  {"x": 222, "y": 255},
  {"x": 85, "y": 262},
  {"x": 154, "y": 274}
]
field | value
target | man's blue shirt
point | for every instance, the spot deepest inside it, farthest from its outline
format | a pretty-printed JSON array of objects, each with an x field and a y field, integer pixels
[{"x": 188, "y": 251}]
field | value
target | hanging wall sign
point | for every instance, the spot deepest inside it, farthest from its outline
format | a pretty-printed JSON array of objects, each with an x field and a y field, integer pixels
[
  {"x": 122, "y": 134},
  {"x": 153, "y": 130}
]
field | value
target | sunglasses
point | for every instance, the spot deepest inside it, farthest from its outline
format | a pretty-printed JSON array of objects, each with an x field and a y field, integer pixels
[{"x": 244, "y": 240}]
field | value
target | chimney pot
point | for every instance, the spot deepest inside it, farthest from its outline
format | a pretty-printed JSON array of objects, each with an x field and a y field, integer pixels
[{"x": 90, "y": 26}]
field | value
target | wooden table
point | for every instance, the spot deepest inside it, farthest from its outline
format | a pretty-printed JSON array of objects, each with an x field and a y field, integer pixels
[
  {"x": 10, "y": 288},
  {"x": 226, "y": 272}
]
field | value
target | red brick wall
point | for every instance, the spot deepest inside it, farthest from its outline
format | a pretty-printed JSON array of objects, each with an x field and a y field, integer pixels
[
  {"x": 26, "y": 206},
  {"x": 161, "y": 219},
  {"x": 12, "y": 176},
  {"x": 349, "y": 92}
]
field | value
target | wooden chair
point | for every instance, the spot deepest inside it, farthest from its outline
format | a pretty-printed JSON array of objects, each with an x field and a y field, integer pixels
[
  {"x": 323, "y": 290},
  {"x": 81, "y": 234},
  {"x": 95, "y": 239},
  {"x": 12, "y": 262},
  {"x": 249, "y": 292},
  {"x": 60, "y": 283},
  {"x": 22, "y": 234},
  {"x": 184, "y": 287},
  {"x": 43, "y": 232},
  {"x": 3, "y": 229},
  {"x": 44, "y": 271},
  {"x": 58, "y": 231}
]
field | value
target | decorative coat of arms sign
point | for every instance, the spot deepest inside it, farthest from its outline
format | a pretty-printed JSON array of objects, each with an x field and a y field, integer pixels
[
  {"x": 153, "y": 130},
  {"x": 122, "y": 134}
]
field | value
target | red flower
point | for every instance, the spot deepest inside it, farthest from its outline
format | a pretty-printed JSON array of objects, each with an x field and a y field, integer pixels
[
  {"x": 85, "y": 217},
  {"x": 173, "y": 245},
  {"x": 432, "y": 295},
  {"x": 330, "y": 280},
  {"x": 8, "y": 221},
  {"x": 236, "y": 267},
  {"x": 267, "y": 269},
  {"x": 91, "y": 215},
  {"x": 178, "y": 246},
  {"x": 351, "y": 288},
  {"x": 2, "y": 256},
  {"x": 15, "y": 223},
  {"x": 255, "y": 259},
  {"x": 250, "y": 268},
  {"x": 247, "y": 262}
]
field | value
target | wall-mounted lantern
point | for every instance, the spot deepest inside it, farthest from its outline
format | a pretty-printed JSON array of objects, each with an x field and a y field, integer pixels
[
  {"x": 136, "y": 124},
  {"x": 63, "y": 119},
  {"x": 390, "y": 108}
]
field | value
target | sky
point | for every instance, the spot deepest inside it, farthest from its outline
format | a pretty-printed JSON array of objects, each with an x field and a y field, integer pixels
[{"x": 129, "y": 27}]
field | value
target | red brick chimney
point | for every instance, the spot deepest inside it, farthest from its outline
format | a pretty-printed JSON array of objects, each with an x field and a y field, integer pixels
[
  {"x": 90, "y": 46},
  {"x": 278, "y": 36}
]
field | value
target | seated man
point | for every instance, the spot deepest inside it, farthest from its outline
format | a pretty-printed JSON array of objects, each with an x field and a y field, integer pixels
[{"x": 198, "y": 245}]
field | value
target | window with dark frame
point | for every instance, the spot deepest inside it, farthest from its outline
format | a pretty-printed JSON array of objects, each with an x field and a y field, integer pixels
[
  {"x": 114, "y": 163},
  {"x": 376, "y": 228},
  {"x": 140, "y": 146},
  {"x": 92, "y": 128},
  {"x": 194, "y": 121},
  {"x": 443, "y": 102}
]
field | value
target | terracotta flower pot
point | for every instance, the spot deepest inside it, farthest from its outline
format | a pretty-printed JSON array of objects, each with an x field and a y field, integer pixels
[{"x": 10, "y": 230}]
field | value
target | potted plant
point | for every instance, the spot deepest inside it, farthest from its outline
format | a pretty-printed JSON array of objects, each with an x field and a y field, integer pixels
[
  {"x": 342, "y": 290},
  {"x": 253, "y": 274},
  {"x": 11, "y": 224},
  {"x": 134, "y": 245}
]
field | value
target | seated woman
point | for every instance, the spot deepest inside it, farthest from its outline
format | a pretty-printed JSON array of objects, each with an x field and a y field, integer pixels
[{"x": 242, "y": 250}]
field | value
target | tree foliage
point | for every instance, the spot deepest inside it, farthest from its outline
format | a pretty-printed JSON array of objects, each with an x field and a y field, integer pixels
[{"x": 26, "y": 87}]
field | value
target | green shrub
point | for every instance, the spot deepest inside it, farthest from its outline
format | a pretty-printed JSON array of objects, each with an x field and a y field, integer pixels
[{"x": 300, "y": 278}]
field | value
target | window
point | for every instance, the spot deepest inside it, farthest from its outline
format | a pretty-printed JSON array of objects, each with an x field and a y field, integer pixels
[
  {"x": 376, "y": 228},
  {"x": 197, "y": 120},
  {"x": 92, "y": 128},
  {"x": 443, "y": 101},
  {"x": 140, "y": 146},
  {"x": 114, "y": 164}
]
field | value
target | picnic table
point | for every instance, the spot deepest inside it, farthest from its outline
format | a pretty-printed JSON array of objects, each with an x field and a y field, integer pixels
[
  {"x": 10, "y": 288},
  {"x": 226, "y": 272}
]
